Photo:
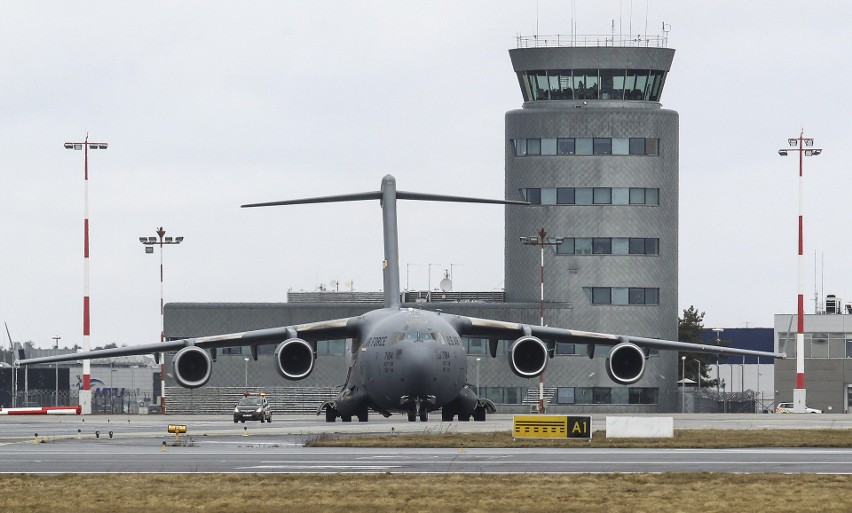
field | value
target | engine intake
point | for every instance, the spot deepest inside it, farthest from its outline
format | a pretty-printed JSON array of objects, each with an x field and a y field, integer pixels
[
  {"x": 528, "y": 356},
  {"x": 626, "y": 363},
  {"x": 191, "y": 367},
  {"x": 294, "y": 359}
]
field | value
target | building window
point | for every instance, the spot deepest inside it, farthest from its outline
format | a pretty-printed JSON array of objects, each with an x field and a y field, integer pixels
[
  {"x": 564, "y": 348},
  {"x": 584, "y": 146},
  {"x": 533, "y": 146},
  {"x": 582, "y": 245},
  {"x": 565, "y": 195},
  {"x": 583, "y": 196},
  {"x": 634, "y": 146},
  {"x": 591, "y": 196},
  {"x": 606, "y": 395},
  {"x": 601, "y": 295},
  {"x": 643, "y": 395},
  {"x": 622, "y": 295},
  {"x": 637, "y": 146},
  {"x": 592, "y": 84},
  {"x": 601, "y": 246},
  {"x": 565, "y": 146},
  {"x": 565, "y": 395},
  {"x": 533, "y": 196},
  {"x": 608, "y": 246},
  {"x": 602, "y": 196},
  {"x": 477, "y": 346},
  {"x": 548, "y": 146},
  {"x": 602, "y": 146}
]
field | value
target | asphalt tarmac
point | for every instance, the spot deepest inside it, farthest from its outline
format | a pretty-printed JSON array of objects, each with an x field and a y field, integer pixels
[{"x": 140, "y": 444}]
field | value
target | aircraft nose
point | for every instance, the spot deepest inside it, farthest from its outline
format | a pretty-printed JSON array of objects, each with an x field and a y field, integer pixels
[{"x": 418, "y": 362}]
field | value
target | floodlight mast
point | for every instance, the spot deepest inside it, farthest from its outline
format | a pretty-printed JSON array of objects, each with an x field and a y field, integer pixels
[
  {"x": 150, "y": 242},
  {"x": 541, "y": 240},
  {"x": 803, "y": 145},
  {"x": 86, "y": 391}
]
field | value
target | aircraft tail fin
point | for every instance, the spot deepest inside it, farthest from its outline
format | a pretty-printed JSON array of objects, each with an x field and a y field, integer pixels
[{"x": 388, "y": 196}]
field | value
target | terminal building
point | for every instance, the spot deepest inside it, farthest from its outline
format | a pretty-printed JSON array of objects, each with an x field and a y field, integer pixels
[
  {"x": 594, "y": 152},
  {"x": 827, "y": 358}
]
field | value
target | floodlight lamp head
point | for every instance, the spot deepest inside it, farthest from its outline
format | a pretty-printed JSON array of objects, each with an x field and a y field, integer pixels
[
  {"x": 69, "y": 146},
  {"x": 792, "y": 142},
  {"x": 783, "y": 153},
  {"x": 809, "y": 142},
  {"x": 816, "y": 152}
]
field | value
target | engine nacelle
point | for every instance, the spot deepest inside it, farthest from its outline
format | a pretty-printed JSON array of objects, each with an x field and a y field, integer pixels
[
  {"x": 192, "y": 366},
  {"x": 528, "y": 356},
  {"x": 626, "y": 363},
  {"x": 294, "y": 359}
]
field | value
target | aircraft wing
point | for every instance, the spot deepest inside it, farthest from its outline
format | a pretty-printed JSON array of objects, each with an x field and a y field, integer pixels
[
  {"x": 313, "y": 331},
  {"x": 492, "y": 329}
]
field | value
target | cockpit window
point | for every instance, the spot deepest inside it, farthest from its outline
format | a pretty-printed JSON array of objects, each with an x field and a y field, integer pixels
[{"x": 417, "y": 336}]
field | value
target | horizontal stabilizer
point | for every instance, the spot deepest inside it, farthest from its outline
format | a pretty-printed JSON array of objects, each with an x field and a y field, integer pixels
[{"x": 321, "y": 199}]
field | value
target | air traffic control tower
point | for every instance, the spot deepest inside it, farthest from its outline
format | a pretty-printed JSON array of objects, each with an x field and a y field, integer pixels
[{"x": 596, "y": 154}]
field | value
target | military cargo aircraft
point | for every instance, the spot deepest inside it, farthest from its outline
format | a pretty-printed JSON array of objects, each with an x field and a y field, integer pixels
[{"x": 403, "y": 359}]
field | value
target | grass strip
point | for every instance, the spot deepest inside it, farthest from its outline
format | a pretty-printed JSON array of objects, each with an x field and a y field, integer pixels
[{"x": 540, "y": 493}]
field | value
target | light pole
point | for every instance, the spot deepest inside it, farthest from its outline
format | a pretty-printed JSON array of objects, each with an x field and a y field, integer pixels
[
  {"x": 718, "y": 343},
  {"x": 149, "y": 243},
  {"x": 86, "y": 391},
  {"x": 698, "y": 373},
  {"x": 246, "y": 386},
  {"x": 541, "y": 241},
  {"x": 805, "y": 148},
  {"x": 56, "y": 347},
  {"x": 683, "y": 385}
]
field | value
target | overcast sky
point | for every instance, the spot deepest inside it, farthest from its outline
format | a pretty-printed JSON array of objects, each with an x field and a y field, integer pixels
[{"x": 207, "y": 105}]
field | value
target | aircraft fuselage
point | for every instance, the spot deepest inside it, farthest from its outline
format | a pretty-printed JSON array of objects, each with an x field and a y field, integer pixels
[{"x": 408, "y": 360}]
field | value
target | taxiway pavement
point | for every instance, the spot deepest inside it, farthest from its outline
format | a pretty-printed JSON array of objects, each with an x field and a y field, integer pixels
[{"x": 215, "y": 444}]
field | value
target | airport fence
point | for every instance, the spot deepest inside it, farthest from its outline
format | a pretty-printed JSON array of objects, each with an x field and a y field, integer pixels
[
  {"x": 104, "y": 400},
  {"x": 708, "y": 400}
]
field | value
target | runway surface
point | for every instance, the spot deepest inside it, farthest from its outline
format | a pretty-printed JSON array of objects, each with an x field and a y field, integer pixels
[{"x": 215, "y": 444}]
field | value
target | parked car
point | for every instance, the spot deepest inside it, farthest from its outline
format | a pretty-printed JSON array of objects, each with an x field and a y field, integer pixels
[
  {"x": 788, "y": 408},
  {"x": 253, "y": 407}
]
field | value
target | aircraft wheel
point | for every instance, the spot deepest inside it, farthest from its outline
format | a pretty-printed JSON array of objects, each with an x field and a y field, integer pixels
[
  {"x": 330, "y": 414},
  {"x": 424, "y": 416},
  {"x": 412, "y": 416},
  {"x": 446, "y": 415},
  {"x": 479, "y": 414},
  {"x": 346, "y": 418},
  {"x": 269, "y": 420},
  {"x": 362, "y": 416}
]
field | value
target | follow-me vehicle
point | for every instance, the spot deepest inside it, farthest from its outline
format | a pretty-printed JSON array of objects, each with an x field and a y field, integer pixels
[{"x": 404, "y": 359}]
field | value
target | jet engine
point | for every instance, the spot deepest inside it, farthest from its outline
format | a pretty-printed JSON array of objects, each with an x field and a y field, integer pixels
[
  {"x": 626, "y": 363},
  {"x": 192, "y": 367},
  {"x": 294, "y": 359},
  {"x": 528, "y": 356}
]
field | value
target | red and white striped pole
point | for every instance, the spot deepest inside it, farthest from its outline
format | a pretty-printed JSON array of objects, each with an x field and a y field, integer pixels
[
  {"x": 541, "y": 240},
  {"x": 805, "y": 148},
  {"x": 86, "y": 391}
]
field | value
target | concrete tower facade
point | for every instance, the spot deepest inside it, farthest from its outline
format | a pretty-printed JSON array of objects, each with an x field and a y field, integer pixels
[{"x": 597, "y": 156}]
